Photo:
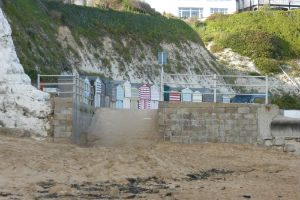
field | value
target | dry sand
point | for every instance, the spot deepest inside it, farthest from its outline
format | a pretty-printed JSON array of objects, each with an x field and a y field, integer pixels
[{"x": 41, "y": 170}]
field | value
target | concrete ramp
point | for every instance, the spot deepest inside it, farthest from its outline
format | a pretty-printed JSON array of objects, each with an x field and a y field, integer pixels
[{"x": 111, "y": 127}]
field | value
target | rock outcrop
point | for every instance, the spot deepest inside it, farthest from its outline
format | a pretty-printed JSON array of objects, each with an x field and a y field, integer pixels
[{"x": 21, "y": 105}]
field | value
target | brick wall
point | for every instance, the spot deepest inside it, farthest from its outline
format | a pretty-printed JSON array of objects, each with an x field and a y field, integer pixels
[{"x": 210, "y": 122}]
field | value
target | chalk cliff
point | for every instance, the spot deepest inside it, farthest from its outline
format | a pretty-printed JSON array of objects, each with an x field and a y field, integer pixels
[{"x": 21, "y": 105}]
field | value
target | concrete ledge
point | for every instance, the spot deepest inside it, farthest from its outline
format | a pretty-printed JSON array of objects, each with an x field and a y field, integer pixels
[
  {"x": 285, "y": 127},
  {"x": 286, "y": 120},
  {"x": 205, "y": 105}
]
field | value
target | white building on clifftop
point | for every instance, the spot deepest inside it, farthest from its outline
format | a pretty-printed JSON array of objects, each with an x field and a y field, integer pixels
[
  {"x": 202, "y": 9},
  {"x": 80, "y": 2}
]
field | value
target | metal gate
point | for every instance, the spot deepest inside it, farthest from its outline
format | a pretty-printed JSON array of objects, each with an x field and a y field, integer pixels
[{"x": 82, "y": 94}]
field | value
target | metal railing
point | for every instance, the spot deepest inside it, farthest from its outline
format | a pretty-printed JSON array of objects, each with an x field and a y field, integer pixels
[
  {"x": 81, "y": 92},
  {"x": 219, "y": 84},
  {"x": 284, "y": 3},
  {"x": 294, "y": 83}
]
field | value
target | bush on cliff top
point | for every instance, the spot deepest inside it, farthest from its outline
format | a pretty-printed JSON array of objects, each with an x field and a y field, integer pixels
[{"x": 267, "y": 33}]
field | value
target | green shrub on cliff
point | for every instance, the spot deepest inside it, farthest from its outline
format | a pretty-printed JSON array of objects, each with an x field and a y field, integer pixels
[
  {"x": 267, "y": 66},
  {"x": 286, "y": 101},
  {"x": 261, "y": 34}
]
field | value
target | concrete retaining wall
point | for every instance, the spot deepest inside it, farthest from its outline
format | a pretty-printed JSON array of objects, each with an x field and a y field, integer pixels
[{"x": 216, "y": 122}]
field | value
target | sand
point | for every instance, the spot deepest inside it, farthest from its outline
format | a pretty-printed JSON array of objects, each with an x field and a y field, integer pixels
[{"x": 32, "y": 169}]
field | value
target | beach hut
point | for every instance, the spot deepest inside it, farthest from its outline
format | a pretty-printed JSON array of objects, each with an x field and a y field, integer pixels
[
  {"x": 166, "y": 93},
  {"x": 208, "y": 95},
  {"x": 197, "y": 96},
  {"x": 119, "y": 96},
  {"x": 127, "y": 89},
  {"x": 144, "y": 97},
  {"x": 98, "y": 91},
  {"x": 127, "y": 95},
  {"x": 107, "y": 101},
  {"x": 155, "y": 96},
  {"x": 134, "y": 99},
  {"x": 86, "y": 91},
  {"x": 186, "y": 95},
  {"x": 175, "y": 96},
  {"x": 226, "y": 99},
  {"x": 110, "y": 92},
  {"x": 126, "y": 103}
]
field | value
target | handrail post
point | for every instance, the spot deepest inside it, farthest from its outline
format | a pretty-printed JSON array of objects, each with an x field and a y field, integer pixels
[
  {"x": 267, "y": 90},
  {"x": 38, "y": 81},
  {"x": 215, "y": 87},
  {"x": 162, "y": 84}
]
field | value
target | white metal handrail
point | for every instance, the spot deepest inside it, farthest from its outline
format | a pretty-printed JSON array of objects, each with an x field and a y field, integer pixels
[
  {"x": 78, "y": 88},
  {"x": 215, "y": 82}
]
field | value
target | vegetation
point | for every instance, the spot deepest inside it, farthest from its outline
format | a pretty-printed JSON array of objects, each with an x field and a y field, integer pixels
[
  {"x": 35, "y": 26},
  {"x": 286, "y": 101},
  {"x": 267, "y": 65},
  {"x": 267, "y": 36},
  {"x": 34, "y": 35}
]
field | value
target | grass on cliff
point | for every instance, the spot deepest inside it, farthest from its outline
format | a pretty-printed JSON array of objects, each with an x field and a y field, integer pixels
[
  {"x": 35, "y": 26},
  {"x": 34, "y": 35},
  {"x": 264, "y": 36},
  {"x": 94, "y": 22}
]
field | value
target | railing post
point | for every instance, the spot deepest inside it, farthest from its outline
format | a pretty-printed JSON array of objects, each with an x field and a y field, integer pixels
[
  {"x": 38, "y": 82},
  {"x": 74, "y": 117},
  {"x": 162, "y": 84},
  {"x": 215, "y": 87},
  {"x": 267, "y": 90}
]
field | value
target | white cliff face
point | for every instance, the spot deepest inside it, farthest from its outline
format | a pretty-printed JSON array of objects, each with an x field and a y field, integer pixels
[
  {"x": 21, "y": 105},
  {"x": 143, "y": 66}
]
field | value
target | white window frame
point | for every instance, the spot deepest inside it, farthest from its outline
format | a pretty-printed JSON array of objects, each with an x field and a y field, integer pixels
[
  {"x": 190, "y": 10},
  {"x": 219, "y": 10}
]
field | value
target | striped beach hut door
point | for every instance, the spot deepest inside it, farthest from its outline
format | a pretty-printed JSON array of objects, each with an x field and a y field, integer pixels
[
  {"x": 186, "y": 95},
  {"x": 155, "y": 96},
  {"x": 119, "y": 96},
  {"x": 197, "y": 96},
  {"x": 175, "y": 96},
  {"x": 98, "y": 90},
  {"x": 144, "y": 97}
]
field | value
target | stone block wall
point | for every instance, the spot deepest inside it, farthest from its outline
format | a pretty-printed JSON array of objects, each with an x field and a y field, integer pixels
[
  {"x": 71, "y": 123},
  {"x": 212, "y": 122},
  {"x": 63, "y": 118}
]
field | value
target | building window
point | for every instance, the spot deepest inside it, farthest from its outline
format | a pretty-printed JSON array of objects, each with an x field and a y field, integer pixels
[
  {"x": 186, "y": 13},
  {"x": 219, "y": 10}
]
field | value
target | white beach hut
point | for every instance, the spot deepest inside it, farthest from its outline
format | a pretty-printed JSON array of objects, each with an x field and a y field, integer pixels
[
  {"x": 98, "y": 90},
  {"x": 127, "y": 95},
  {"x": 155, "y": 94},
  {"x": 119, "y": 96},
  {"x": 197, "y": 96},
  {"x": 186, "y": 95}
]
